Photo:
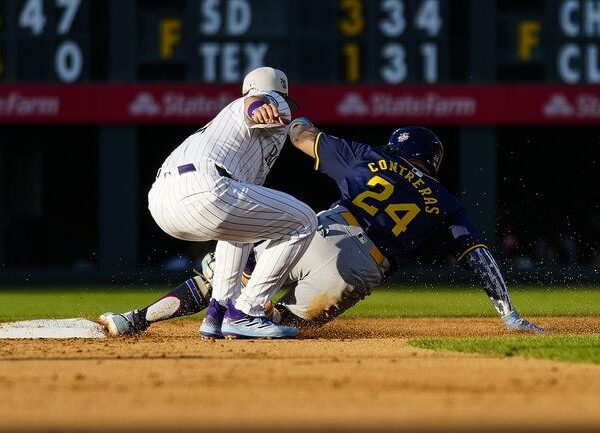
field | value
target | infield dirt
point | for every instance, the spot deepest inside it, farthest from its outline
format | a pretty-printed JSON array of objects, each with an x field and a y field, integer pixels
[{"x": 351, "y": 375}]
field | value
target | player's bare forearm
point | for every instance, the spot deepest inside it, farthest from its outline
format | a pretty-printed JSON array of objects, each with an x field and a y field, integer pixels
[{"x": 303, "y": 135}]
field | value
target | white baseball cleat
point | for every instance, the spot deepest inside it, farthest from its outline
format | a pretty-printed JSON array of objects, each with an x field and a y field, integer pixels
[{"x": 120, "y": 324}]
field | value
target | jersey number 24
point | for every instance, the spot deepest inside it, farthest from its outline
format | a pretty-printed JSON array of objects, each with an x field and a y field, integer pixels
[{"x": 401, "y": 213}]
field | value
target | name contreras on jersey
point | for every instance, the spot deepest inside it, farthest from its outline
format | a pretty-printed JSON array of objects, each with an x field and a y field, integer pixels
[{"x": 409, "y": 175}]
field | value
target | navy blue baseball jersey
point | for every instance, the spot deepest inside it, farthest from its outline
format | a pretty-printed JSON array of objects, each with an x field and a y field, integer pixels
[{"x": 399, "y": 206}]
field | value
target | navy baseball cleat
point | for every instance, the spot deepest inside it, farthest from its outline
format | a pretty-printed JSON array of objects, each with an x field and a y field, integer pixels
[
  {"x": 211, "y": 325},
  {"x": 237, "y": 324}
]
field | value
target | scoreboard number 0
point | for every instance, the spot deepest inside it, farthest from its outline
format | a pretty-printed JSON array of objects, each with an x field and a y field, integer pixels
[
  {"x": 68, "y": 58},
  {"x": 68, "y": 61}
]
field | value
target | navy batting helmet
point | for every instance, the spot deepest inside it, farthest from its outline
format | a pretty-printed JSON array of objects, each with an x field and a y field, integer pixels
[{"x": 416, "y": 142}]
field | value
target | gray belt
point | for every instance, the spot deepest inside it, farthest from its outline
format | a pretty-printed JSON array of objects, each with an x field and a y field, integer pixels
[{"x": 343, "y": 216}]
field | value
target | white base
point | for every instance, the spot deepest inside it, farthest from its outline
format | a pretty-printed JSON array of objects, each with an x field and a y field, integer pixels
[{"x": 52, "y": 328}]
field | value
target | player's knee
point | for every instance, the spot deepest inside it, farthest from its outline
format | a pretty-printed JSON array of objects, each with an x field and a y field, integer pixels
[{"x": 311, "y": 223}]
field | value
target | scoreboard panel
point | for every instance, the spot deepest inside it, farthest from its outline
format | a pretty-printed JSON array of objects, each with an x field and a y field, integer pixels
[
  {"x": 575, "y": 43},
  {"x": 50, "y": 39},
  {"x": 315, "y": 41},
  {"x": 348, "y": 41},
  {"x": 2, "y": 40},
  {"x": 549, "y": 41}
]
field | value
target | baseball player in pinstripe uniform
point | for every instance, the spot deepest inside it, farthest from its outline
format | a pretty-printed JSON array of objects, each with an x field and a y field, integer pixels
[
  {"x": 391, "y": 203},
  {"x": 209, "y": 188}
]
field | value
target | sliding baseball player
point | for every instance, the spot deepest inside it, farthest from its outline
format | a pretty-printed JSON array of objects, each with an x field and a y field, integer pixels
[{"x": 391, "y": 203}]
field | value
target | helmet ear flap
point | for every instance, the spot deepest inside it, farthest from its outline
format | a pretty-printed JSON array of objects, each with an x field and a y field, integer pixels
[{"x": 438, "y": 157}]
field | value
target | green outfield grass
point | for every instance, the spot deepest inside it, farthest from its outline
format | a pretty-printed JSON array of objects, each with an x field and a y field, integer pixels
[
  {"x": 387, "y": 301},
  {"x": 566, "y": 348}
]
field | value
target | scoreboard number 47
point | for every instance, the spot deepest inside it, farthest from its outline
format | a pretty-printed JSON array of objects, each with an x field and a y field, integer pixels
[{"x": 68, "y": 57}]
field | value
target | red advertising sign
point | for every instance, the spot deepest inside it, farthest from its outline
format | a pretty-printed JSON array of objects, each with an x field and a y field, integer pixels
[{"x": 331, "y": 104}]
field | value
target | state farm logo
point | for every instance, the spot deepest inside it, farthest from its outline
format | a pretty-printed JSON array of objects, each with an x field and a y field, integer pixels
[
  {"x": 581, "y": 106},
  {"x": 352, "y": 104},
  {"x": 558, "y": 106},
  {"x": 379, "y": 104},
  {"x": 178, "y": 104},
  {"x": 19, "y": 105},
  {"x": 144, "y": 105}
]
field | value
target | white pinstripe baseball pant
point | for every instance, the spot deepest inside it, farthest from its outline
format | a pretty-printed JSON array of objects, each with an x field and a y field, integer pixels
[{"x": 203, "y": 205}]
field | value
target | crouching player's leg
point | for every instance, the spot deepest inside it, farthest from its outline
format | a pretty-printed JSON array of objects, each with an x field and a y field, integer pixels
[
  {"x": 190, "y": 297},
  {"x": 340, "y": 268}
]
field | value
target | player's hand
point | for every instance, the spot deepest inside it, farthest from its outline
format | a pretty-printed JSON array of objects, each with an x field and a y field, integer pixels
[
  {"x": 300, "y": 121},
  {"x": 298, "y": 125},
  {"x": 515, "y": 322},
  {"x": 267, "y": 114}
]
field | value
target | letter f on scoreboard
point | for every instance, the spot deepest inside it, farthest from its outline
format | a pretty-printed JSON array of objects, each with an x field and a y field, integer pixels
[
  {"x": 528, "y": 38},
  {"x": 169, "y": 31}
]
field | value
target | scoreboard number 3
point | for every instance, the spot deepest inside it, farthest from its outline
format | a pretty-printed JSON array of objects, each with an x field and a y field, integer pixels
[{"x": 68, "y": 58}]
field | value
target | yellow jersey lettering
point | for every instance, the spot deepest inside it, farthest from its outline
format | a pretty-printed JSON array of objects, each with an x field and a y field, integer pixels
[
  {"x": 415, "y": 180},
  {"x": 417, "y": 183}
]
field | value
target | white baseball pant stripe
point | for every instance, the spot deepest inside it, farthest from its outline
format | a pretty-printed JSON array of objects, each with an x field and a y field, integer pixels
[{"x": 203, "y": 205}]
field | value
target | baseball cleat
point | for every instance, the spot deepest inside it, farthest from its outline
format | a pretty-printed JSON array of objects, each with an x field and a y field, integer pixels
[
  {"x": 237, "y": 324},
  {"x": 121, "y": 324},
  {"x": 514, "y": 322},
  {"x": 211, "y": 325}
]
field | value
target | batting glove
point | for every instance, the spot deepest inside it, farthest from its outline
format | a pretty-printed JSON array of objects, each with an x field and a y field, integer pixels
[
  {"x": 303, "y": 120},
  {"x": 515, "y": 322}
]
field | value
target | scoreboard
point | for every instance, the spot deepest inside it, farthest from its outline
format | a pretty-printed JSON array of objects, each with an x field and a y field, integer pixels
[
  {"x": 576, "y": 43},
  {"x": 46, "y": 40},
  {"x": 390, "y": 41},
  {"x": 387, "y": 42},
  {"x": 549, "y": 41}
]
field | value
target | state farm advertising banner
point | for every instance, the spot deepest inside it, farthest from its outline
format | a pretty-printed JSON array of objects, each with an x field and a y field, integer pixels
[{"x": 325, "y": 104}]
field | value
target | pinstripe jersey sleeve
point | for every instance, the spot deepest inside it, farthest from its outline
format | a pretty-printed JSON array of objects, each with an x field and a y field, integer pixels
[{"x": 246, "y": 153}]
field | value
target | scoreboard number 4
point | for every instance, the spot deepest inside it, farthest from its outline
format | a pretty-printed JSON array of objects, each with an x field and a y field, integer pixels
[{"x": 68, "y": 58}]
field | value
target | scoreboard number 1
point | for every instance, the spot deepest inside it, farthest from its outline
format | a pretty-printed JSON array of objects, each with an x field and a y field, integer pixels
[{"x": 68, "y": 58}]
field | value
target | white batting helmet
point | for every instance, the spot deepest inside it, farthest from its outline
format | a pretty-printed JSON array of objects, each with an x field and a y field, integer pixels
[{"x": 267, "y": 78}]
